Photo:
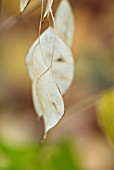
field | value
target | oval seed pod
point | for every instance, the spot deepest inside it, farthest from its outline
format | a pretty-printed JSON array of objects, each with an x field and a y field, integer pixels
[
  {"x": 62, "y": 65},
  {"x": 47, "y": 98},
  {"x": 65, "y": 22}
]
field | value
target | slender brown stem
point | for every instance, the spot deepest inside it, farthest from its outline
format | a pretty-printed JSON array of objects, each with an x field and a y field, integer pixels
[
  {"x": 14, "y": 19},
  {"x": 86, "y": 103}
]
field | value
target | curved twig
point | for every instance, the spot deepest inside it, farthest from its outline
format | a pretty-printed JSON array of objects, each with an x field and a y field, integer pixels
[{"x": 14, "y": 19}]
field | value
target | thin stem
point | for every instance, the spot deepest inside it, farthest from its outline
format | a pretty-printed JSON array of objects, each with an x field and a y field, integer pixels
[
  {"x": 15, "y": 19},
  {"x": 55, "y": 34},
  {"x": 40, "y": 27},
  {"x": 50, "y": 66},
  {"x": 86, "y": 103}
]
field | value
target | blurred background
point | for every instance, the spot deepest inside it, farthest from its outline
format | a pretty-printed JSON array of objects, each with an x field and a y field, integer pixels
[{"x": 78, "y": 142}]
